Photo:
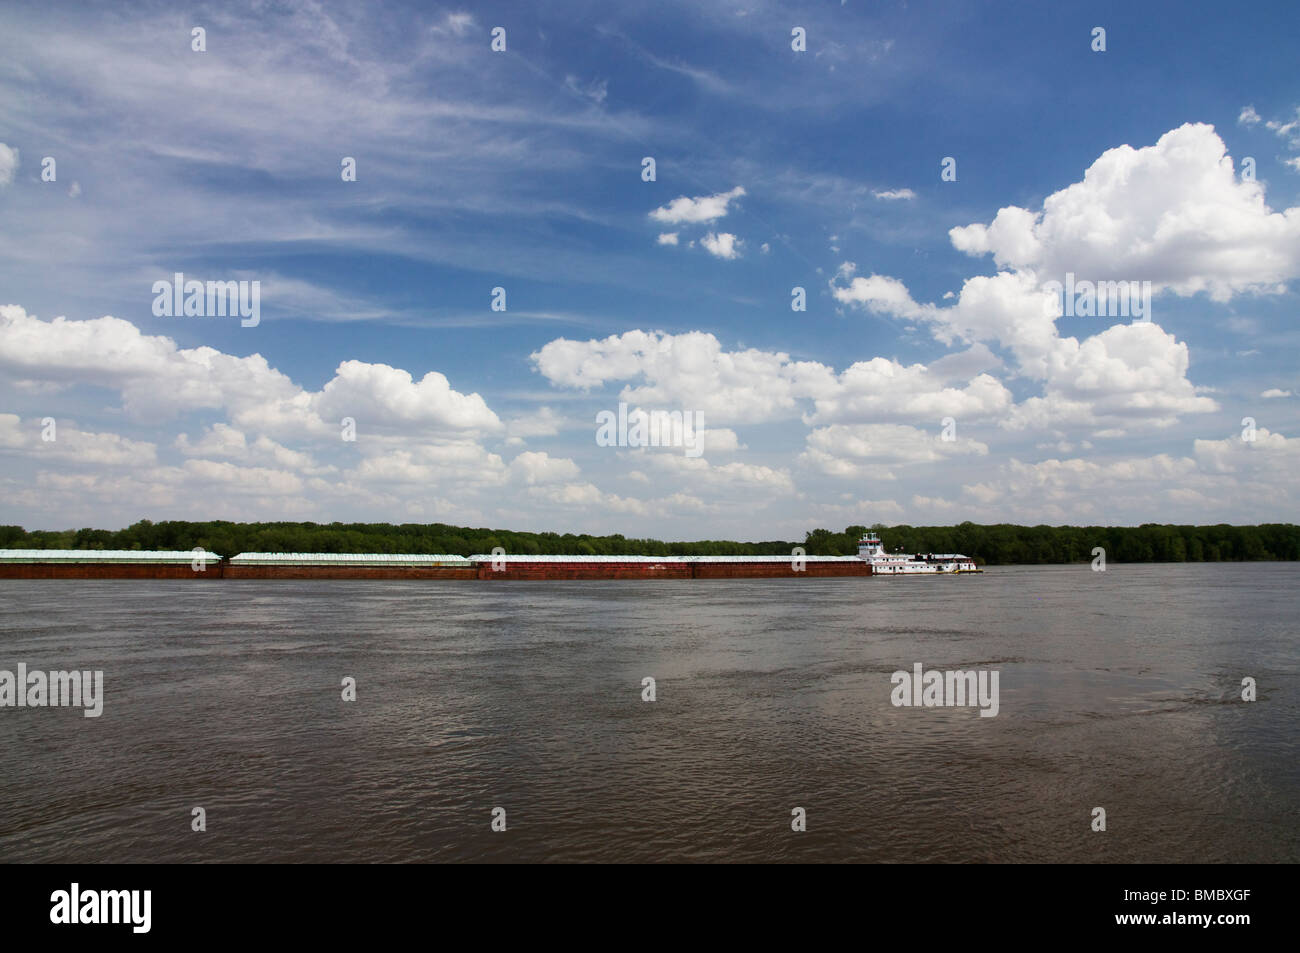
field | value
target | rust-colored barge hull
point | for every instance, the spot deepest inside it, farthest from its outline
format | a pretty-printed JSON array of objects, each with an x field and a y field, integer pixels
[
  {"x": 516, "y": 568},
  {"x": 107, "y": 571},
  {"x": 519, "y": 569},
  {"x": 512, "y": 572},
  {"x": 348, "y": 572}
]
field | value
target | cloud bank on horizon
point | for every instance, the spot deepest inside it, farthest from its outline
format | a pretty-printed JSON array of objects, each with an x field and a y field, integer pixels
[{"x": 891, "y": 292}]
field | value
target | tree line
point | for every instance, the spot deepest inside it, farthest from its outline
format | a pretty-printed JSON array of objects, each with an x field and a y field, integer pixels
[
  {"x": 1007, "y": 543},
  {"x": 998, "y": 544}
]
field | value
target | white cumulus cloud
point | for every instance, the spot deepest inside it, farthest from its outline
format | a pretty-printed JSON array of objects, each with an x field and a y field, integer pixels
[
  {"x": 693, "y": 211},
  {"x": 1174, "y": 214},
  {"x": 722, "y": 245}
]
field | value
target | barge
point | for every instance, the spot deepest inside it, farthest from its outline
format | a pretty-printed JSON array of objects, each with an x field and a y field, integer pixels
[
  {"x": 108, "y": 564},
  {"x": 870, "y": 560}
]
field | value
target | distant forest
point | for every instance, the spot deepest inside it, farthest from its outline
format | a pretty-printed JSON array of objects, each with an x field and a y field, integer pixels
[{"x": 999, "y": 544}]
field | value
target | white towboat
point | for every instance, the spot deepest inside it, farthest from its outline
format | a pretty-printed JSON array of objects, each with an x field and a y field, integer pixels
[{"x": 871, "y": 549}]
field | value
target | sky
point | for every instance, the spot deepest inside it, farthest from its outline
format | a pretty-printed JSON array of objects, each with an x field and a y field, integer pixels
[{"x": 849, "y": 262}]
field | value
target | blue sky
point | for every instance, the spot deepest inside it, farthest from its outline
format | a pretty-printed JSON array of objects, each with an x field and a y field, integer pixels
[{"x": 775, "y": 169}]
